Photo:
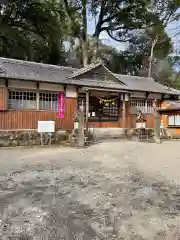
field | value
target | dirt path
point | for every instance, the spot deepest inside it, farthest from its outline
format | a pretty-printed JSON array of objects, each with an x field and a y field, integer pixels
[{"x": 114, "y": 190}]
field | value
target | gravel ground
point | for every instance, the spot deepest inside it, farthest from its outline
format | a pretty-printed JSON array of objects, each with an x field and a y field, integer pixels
[{"x": 113, "y": 190}]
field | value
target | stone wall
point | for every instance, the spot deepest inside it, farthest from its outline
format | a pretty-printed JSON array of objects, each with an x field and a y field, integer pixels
[{"x": 30, "y": 138}]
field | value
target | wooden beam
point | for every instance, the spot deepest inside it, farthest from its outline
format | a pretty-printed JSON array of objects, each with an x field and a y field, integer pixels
[
  {"x": 37, "y": 96},
  {"x": 65, "y": 87},
  {"x": 87, "y": 108},
  {"x": 147, "y": 94},
  {"x": 6, "y": 83},
  {"x": 104, "y": 90}
]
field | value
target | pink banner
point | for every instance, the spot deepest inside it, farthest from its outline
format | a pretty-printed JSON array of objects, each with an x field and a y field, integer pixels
[{"x": 61, "y": 105}]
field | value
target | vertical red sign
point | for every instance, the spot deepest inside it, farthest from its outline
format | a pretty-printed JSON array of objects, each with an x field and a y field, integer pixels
[{"x": 61, "y": 105}]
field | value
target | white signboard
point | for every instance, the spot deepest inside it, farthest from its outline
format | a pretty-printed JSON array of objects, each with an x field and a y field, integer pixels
[
  {"x": 46, "y": 126},
  {"x": 140, "y": 125}
]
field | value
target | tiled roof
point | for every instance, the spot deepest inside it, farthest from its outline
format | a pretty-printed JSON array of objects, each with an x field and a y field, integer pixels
[
  {"x": 145, "y": 84},
  {"x": 18, "y": 69},
  {"x": 171, "y": 105}
]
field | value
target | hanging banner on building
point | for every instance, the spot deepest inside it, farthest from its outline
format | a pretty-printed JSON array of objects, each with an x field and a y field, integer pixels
[{"x": 61, "y": 105}]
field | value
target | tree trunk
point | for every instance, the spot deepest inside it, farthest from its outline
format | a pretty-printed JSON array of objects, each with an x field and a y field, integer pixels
[
  {"x": 85, "y": 52},
  {"x": 98, "y": 28},
  {"x": 84, "y": 33},
  {"x": 151, "y": 56}
]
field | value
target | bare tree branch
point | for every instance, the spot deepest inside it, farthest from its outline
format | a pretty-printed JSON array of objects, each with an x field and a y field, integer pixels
[{"x": 114, "y": 38}]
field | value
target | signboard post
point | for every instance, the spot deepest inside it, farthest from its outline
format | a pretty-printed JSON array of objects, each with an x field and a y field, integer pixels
[{"x": 46, "y": 127}]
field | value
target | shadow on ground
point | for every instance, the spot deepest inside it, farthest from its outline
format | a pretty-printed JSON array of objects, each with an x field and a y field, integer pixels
[{"x": 87, "y": 202}]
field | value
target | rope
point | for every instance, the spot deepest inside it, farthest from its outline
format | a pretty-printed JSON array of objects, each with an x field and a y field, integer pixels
[{"x": 101, "y": 100}]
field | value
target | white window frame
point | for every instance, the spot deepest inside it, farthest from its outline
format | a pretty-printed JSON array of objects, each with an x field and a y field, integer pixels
[
  {"x": 173, "y": 120},
  {"x": 144, "y": 105},
  {"x": 48, "y": 104},
  {"x": 22, "y": 99},
  {"x": 177, "y": 120}
]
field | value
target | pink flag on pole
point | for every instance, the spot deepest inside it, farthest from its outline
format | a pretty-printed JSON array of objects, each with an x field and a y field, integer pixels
[{"x": 61, "y": 105}]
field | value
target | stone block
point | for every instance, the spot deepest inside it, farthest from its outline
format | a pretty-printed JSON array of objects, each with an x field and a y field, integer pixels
[
  {"x": 61, "y": 136},
  {"x": 109, "y": 133},
  {"x": 30, "y": 138}
]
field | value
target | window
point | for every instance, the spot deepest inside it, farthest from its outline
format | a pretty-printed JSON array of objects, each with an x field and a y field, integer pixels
[
  {"x": 106, "y": 111},
  {"x": 177, "y": 120},
  {"x": 171, "y": 120},
  {"x": 22, "y": 100},
  {"x": 150, "y": 108},
  {"x": 146, "y": 106},
  {"x": 48, "y": 101},
  {"x": 139, "y": 104},
  {"x": 174, "y": 120},
  {"x": 28, "y": 100}
]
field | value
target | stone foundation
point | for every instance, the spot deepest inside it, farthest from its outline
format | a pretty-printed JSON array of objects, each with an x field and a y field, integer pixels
[
  {"x": 30, "y": 138},
  {"x": 109, "y": 133}
]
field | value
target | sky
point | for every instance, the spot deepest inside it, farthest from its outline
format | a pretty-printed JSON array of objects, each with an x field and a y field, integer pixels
[
  {"x": 104, "y": 36},
  {"x": 172, "y": 31}
]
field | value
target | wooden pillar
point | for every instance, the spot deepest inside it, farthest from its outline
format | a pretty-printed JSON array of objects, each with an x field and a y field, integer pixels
[
  {"x": 87, "y": 109},
  {"x": 157, "y": 123},
  {"x": 146, "y": 103},
  {"x": 122, "y": 110},
  {"x": 127, "y": 105},
  {"x": 37, "y": 96},
  {"x": 3, "y": 95},
  {"x": 124, "y": 114},
  {"x": 125, "y": 111},
  {"x": 81, "y": 127}
]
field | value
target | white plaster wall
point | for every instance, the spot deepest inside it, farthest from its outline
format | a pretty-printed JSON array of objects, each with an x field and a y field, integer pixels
[
  {"x": 22, "y": 84},
  {"x": 2, "y": 83},
  {"x": 71, "y": 91}
]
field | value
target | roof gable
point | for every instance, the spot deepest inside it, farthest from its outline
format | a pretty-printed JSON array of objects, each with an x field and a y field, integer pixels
[{"x": 97, "y": 72}]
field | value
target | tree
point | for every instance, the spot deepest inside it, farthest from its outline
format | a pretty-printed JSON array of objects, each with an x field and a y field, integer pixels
[
  {"x": 76, "y": 12},
  {"x": 135, "y": 59},
  {"x": 166, "y": 12},
  {"x": 118, "y": 18},
  {"x": 123, "y": 19},
  {"x": 30, "y": 31}
]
